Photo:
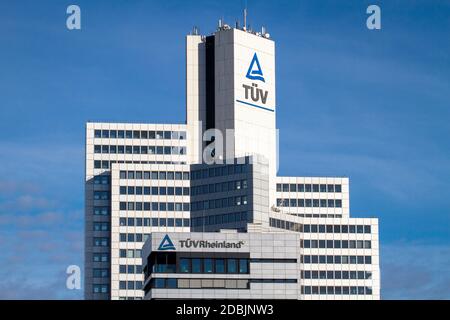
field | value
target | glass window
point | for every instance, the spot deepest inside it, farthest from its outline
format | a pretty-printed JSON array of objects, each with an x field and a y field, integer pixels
[
  {"x": 208, "y": 265},
  {"x": 196, "y": 265},
  {"x": 232, "y": 266},
  {"x": 185, "y": 266},
  {"x": 243, "y": 265},
  {"x": 171, "y": 283},
  {"x": 159, "y": 283},
  {"x": 220, "y": 266}
]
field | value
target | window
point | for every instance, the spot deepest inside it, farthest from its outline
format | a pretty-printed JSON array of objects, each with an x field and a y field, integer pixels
[
  {"x": 101, "y": 211},
  {"x": 243, "y": 265},
  {"x": 220, "y": 266},
  {"x": 159, "y": 283},
  {"x": 171, "y": 283},
  {"x": 232, "y": 266},
  {"x": 208, "y": 265},
  {"x": 196, "y": 265},
  {"x": 100, "y": 288},
  {"x": 185, "y": 266}
]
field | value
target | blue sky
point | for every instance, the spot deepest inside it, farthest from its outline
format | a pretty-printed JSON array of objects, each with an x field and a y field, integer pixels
[{"x": 371, "y": 105}]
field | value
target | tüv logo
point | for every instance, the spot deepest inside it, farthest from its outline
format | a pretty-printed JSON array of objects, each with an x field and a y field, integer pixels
[
  {"x": 254, "y": 71},
  {"x": 166, "y": 244}
]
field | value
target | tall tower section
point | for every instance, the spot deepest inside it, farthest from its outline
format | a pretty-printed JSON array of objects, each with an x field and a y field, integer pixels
[{"x": 233, "y": 72}]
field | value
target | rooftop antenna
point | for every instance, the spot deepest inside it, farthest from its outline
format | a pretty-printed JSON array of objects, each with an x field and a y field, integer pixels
[{"x": 245, "y": 18}]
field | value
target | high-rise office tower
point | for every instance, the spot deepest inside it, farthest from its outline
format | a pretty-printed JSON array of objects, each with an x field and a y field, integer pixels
[{"x": 156, "y": 182}]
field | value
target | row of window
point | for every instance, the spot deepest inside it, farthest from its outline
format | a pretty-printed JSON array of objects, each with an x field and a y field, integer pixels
[
  {"x": 329, "y": 259},
  {"x": 154, "y": 175},
  {"x": 130, "y": 285},
  {"x": 154, "y": 222},
  {"x": 361, "y": 275},
  {"x": 219, "y": 187},
  {"x": 111, "y": 149},
  {"x": 102, "y": 180},
  {"x": 102, "y": 211},
  {"x": 100, "y": 288},
  {"x": 321, "y": 228},
  {"x": 104, "y": 164},
  {"x": 219, "y": 203},
  {"x": 133, "y": 237},
  {"x": 139, "y": 134},
  {"x": 166, "y": 263},
  {"x": 154, "y": 191},
  {"x": 100, "y": 257},
  {"x": 336, "y": 290},
  {"x": 309, "y": 203},
  {"x": 336, "y": 244},
  {"x": 130, "y": 253},
  {"x": 130, "y": 269},
  {"x": 316, "y": 215},
  {"x": 154, "y": 206},
  {"x": 302, "y": 187},
  {"x": 100, "y": 273},
  {"x": 101, "y": 226},
  {"x": 102, "y": 195},
  {"x": 172, "y": 283},
  {"x": 219, "y": 219},
  {"x": 101, "y": 242},
  {"x": 213, "y": 265},
  {"x": 225, "y": 170}
]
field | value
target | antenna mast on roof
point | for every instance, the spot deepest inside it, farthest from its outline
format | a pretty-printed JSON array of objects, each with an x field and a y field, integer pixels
[{"x": 245, "y": 15}]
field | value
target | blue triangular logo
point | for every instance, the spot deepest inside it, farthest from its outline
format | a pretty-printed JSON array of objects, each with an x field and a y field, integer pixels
[
  {"x": 255, "y": 73},
  {"x": 166, "y": 244}
]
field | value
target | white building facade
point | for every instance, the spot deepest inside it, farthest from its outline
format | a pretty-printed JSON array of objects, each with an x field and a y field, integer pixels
[{"x": 148, "y": 180}]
